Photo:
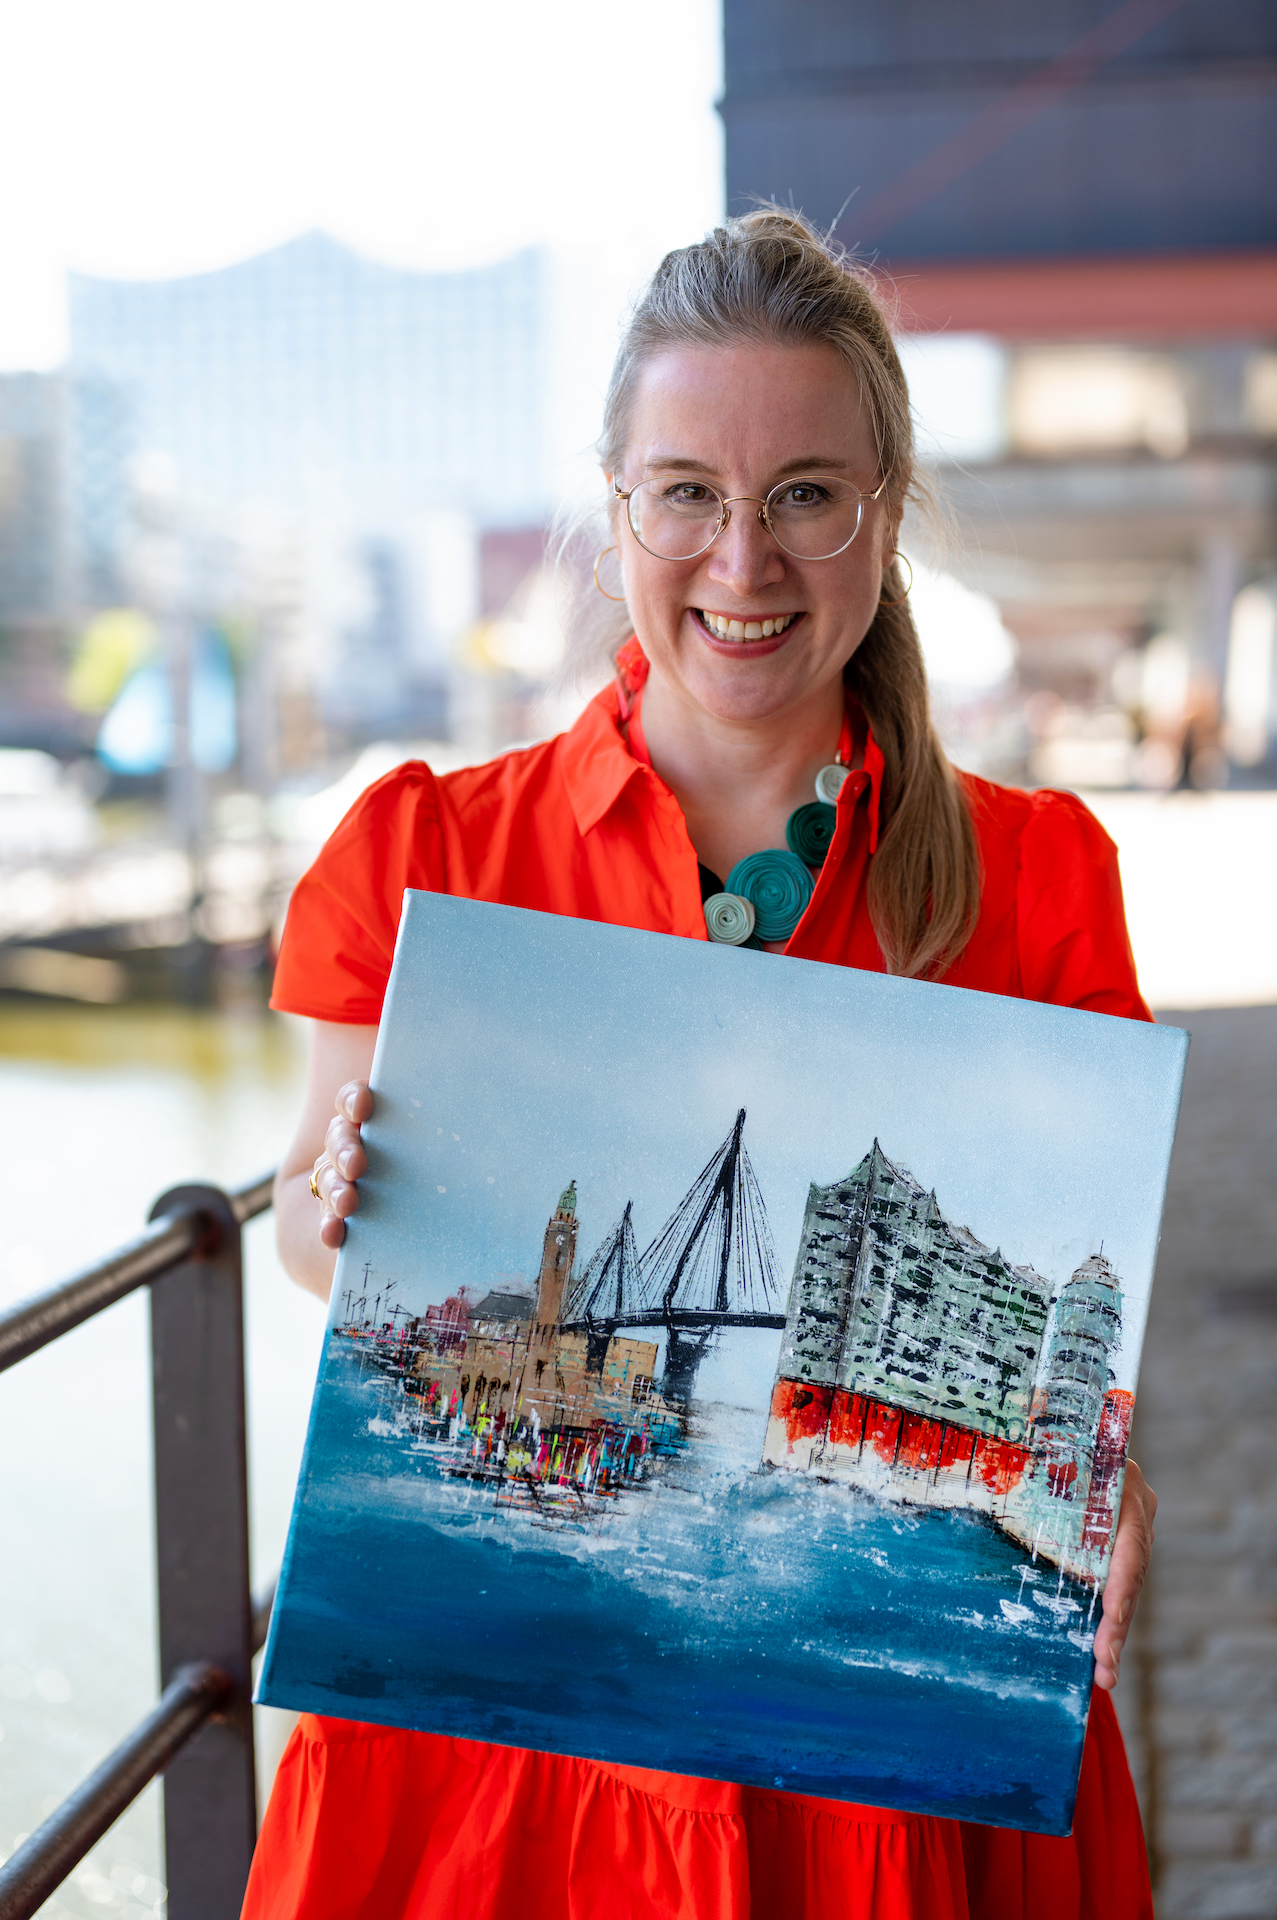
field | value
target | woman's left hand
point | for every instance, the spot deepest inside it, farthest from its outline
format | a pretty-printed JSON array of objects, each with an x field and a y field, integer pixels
[{"x": 1127, "y": 1569}]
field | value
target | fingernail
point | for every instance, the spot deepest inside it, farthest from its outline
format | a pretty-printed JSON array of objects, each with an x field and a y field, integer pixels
[{"x": 1124, "y": 1613}]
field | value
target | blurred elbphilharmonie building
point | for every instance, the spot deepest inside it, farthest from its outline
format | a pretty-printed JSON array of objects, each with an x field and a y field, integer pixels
[
  {"x": 310, "y": 371},
  {"x": 368, "y": 453},
  {"x": 1077, "y": 205}
]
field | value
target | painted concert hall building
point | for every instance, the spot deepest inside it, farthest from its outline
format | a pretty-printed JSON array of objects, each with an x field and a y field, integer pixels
[{"x": 921, "y": 1366}]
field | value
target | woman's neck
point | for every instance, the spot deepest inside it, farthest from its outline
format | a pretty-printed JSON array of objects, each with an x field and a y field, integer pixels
[{"x": 738, "y": 781}]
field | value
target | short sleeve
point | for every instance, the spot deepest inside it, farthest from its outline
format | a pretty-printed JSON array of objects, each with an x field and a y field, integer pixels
[
  {"x": 1071, "y": 924},
  {"x": 339, "y": 936}
]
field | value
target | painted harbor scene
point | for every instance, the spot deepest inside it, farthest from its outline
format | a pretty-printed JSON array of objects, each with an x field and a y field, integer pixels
[{"x": 731, "y": 1367}]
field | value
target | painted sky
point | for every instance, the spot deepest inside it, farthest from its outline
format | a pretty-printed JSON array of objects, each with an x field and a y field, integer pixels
[{"x": 521, "y": 1050}]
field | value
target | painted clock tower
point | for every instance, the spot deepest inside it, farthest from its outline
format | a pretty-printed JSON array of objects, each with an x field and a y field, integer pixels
[{"x": 557, "y": 1255}]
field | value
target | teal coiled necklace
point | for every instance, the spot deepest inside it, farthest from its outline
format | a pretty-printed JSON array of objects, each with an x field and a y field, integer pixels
[{"x": 767, "y": 893}]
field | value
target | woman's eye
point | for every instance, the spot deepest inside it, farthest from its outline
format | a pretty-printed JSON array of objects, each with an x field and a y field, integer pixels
[
  {"x": 803, "y": 493},
  {"x": 687, "y": 493}
]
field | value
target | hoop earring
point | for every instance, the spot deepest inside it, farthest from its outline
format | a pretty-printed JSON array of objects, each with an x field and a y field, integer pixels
[
  {"x": 602, "y": 589},
  {"x": 908, "y": 590}
]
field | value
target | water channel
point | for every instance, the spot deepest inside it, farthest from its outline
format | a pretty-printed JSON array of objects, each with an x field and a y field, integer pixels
[{"x": 104, "y": 1109}]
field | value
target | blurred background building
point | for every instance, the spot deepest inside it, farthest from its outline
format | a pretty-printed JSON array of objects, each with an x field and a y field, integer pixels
[
  {"x": 267, "y": 522},
  {"x": 1076, "y": 209},
  {"x": 386, "y": 418}
]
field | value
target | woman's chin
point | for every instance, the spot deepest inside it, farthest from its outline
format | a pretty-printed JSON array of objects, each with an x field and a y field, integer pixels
[{"x": 745, "y": 693}]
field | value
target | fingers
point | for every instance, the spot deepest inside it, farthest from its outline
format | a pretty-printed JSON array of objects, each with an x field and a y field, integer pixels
[
  {"x": 1127, "y": 1570},
  {"x": 332, "y": 1231},
  {"x": 344, "y": 1150},
  {"x": 339, "y": 1195},
  {"x": 355, "y": 1102},
  {"x": 342, "y": 1162},
  {"x": 340, "y": 1198}
]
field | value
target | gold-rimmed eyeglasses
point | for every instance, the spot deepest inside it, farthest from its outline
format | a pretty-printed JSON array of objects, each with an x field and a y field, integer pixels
[{"x": 679, "y": 518}]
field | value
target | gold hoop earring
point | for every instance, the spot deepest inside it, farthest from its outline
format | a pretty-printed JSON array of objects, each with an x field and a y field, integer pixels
[
  {"x": 602, "y": 589},
  {"x": 908, "y": 590}
]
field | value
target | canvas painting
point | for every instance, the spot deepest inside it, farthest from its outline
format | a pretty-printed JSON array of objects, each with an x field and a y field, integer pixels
[{"x": 730, "y": 1368}]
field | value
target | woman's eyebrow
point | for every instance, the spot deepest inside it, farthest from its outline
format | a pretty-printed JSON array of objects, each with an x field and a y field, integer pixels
[{"x": 810, "y": 463}]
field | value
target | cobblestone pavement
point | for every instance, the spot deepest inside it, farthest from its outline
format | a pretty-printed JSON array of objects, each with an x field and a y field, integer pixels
[{"x": 1198, "y": 1693}]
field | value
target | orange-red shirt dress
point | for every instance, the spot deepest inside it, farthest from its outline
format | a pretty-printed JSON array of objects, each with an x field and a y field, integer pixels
[{"x": 368, "y": 1821}]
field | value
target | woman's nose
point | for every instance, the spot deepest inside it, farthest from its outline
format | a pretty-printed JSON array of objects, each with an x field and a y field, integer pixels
[{"x": 745, "y": 557}]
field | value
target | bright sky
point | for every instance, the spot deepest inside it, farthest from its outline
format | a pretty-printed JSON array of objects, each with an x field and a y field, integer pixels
[{"x": 147, "y": 138}]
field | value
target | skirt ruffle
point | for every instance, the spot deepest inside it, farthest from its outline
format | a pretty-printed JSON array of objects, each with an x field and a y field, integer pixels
[{"x": 368, "y": 1823}]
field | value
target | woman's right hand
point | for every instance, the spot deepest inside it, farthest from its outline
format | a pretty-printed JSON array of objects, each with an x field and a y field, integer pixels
[
  {"x": 310, "y": 1222},
  {"x": 337, "y": 1171}
]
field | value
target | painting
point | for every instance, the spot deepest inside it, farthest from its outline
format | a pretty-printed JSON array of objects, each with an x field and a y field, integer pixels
[{"x": 730, "y": 1368}]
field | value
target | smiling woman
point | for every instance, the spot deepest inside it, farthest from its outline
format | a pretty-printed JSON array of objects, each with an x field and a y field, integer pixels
[
  {"x": 759, "y": 444},
  {"x": 762, "y": 768}
]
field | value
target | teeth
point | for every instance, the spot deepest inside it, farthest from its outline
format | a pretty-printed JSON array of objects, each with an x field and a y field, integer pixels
[{"x": 745, "y": 629}]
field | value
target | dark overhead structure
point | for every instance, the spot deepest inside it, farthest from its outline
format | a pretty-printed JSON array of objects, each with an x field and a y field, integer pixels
[
  {"x": 1134, "y": 138},
  {"x": 1079, "y": 197}
]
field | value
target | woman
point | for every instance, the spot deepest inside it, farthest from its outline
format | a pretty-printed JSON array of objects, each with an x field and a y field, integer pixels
[{"x": 758, "y": 456}]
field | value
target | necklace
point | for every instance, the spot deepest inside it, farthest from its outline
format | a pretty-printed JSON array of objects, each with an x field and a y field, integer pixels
[{"x": 767, "y": 893}]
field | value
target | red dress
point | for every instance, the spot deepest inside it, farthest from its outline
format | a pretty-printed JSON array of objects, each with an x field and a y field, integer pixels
[{"x": 370, "y": 1821}]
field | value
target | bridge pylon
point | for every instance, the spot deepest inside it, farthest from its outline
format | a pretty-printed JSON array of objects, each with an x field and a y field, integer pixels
[
  {"x": 607, "y": 1290},
  {"x": 713, "y": 1255}
]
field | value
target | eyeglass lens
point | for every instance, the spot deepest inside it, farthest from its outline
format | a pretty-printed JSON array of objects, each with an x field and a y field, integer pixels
[{"x": 810, "y": 519}]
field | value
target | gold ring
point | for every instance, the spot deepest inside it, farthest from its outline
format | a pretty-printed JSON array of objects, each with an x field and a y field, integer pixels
[{"x": 314, "y": 1189}]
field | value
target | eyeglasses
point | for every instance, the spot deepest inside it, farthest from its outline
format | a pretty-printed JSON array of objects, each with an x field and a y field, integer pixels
[{"x": 678, "y": 519}]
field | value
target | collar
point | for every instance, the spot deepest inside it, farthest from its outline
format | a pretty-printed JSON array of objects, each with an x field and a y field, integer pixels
[
  {"x": 875, "y": 767},
  {"x": 598, "y": 765}
]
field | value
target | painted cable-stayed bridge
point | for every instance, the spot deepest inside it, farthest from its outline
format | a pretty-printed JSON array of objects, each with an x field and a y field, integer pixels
[{"x": 711, "y": 1266}]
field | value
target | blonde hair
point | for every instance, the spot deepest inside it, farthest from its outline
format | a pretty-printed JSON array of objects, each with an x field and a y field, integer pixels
[{"x": 770, "y": 276}]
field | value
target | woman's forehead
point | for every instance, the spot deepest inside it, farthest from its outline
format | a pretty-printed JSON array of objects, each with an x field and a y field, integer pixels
[{"x": 779, "y": 404}]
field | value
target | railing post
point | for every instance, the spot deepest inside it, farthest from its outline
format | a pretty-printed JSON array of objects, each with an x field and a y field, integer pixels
[{"x": 201, "y": 1545}]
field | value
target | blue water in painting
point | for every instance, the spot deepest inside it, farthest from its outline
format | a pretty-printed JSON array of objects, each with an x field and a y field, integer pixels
[{"x": 721, "y": 1621}]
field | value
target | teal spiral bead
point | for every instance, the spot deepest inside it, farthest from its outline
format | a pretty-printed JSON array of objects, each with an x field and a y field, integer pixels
[
  {"x": 777, "y": 885},
  {"x": 729, "y": 919},
  {"x": 810, "y": 832},
  {"x": 829, "y": 783}
]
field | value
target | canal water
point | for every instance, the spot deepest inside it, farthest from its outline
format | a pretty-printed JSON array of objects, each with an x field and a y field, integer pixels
[
  {"x": 717, "y": 1620},
  {"x": 104, "y": 1109}
]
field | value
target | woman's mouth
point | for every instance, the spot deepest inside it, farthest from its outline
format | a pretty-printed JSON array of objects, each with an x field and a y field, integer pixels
[{"x": 722, "y": 626}]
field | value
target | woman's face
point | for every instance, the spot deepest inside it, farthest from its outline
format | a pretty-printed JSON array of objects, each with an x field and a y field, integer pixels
[{"x": 742, "y": 418}]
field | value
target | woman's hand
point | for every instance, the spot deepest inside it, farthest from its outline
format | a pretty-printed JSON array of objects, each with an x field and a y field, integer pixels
[
  {"x": 326, "y": 1149},
  {"x": 339, "y": 1166},
  {"x": 1127, "y": 1569}
]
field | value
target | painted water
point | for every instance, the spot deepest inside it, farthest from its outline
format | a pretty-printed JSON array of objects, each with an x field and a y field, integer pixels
[{"x": 718, "y": 1620}]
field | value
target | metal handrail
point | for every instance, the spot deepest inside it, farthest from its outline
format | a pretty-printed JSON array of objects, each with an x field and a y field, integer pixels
[
  {"x": 197, "y": 1231},
  {"x": 33, "y": 1323},
  {"x": 47, "y": 1856}
]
